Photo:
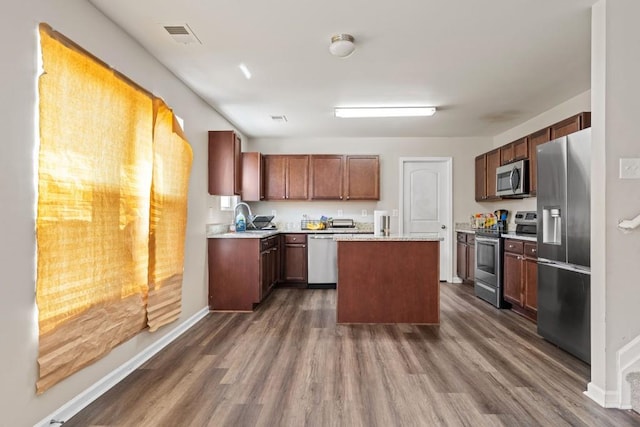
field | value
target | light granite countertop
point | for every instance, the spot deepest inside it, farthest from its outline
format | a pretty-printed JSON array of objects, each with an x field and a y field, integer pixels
[
  {"x": 513, "y": 235},
  {"x": 261, "y": 234},
  {"x": 392, "y": 238}
]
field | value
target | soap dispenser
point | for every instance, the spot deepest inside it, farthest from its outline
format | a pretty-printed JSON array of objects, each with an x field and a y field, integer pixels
[{"x": 241, "y": 224}]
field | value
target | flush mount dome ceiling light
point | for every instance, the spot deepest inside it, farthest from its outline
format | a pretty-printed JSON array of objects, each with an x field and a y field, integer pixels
[{"x": 342, "y": 45}]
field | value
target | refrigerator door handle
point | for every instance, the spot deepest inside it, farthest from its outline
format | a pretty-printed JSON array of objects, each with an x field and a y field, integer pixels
[{"x": 563, "y": 266}]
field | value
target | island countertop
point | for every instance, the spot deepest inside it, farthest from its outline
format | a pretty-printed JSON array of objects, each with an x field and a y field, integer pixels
[{"x": 391, "y": 238}]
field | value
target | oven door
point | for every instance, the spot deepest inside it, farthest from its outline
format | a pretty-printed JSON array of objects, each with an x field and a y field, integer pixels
[{"x": 488, "y": 262}]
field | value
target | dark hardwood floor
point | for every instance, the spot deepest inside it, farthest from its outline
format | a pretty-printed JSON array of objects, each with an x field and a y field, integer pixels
[{"x": 289, "y": 364}]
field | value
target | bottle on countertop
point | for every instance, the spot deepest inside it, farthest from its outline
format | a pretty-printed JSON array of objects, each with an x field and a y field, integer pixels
[{"x": 241, "y": 222}]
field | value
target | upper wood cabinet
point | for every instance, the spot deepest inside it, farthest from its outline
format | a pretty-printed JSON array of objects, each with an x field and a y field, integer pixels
[
  {"x": 535, "y": 139},
  {"x": 570, "y": 125},
  {"x": 326, "y": 177},
  {"x": 493, "y": 162},
  {"x": 517, "y": 150},
  {"x": 523, "y": 148},
  {"x": 362, "y": 178},
  {"x": 337, "y": 177},
  {"x": 286, "y": 177},
  {"x": 225, "y": 163},
  {"x": 481, "y": 178},
  {"x": 252, "y": 177}
]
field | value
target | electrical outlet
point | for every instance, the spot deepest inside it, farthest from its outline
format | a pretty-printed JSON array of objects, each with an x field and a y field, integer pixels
[
  {"x": 364, "y": 212},
  {"x": 273, "y": 212},
  {"x": 340, "y": 213},
  {"x": 395, "y": 212},
  {"x": 630, "y": 168}
]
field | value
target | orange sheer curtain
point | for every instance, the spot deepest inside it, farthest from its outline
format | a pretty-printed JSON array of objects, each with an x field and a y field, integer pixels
[
  {"x": 172, "y": 158},
  {"x": 94, "y": 200}
]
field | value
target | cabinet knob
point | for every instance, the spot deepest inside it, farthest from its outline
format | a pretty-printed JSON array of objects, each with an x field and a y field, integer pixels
[
  {"x": 348, "y": 197},
  {"x": 340, "y": 197},
  {"x": 284, "y": 197}
]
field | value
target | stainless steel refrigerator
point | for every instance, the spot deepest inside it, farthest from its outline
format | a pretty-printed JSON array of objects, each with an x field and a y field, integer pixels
[{"x": 564, "y": 217}]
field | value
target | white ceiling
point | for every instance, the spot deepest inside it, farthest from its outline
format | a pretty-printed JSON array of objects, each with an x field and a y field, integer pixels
[{"x": 487, "y": 65}]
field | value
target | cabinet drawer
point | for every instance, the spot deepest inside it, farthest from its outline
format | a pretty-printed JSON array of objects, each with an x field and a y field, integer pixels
[
  {"x": 295, "y": 238},
  {"x": 531, "y": 250},
  {"x": 513, "y": 246},
  {"x": 462, "y": 237}
]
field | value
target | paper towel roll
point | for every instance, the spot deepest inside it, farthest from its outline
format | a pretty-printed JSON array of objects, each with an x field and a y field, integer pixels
[{"x": 377, "y": 222}]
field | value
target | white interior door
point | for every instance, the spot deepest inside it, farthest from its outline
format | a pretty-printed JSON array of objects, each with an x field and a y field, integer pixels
[{"x": 425, "y": 201}]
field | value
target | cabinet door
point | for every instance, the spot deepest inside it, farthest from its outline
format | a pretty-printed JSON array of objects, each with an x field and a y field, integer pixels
[
  {"x": 275, "y": 177},
  {"x": 237, "y": 165},
  {"x": 252, "y": 177},
  {"x": 362, "y": 178},
  {"x": 513, "y": 278},
  {"x": 481, "y": 178},
  {"x": 326, "y": 177},
  {"x": 571, "y": 125},
  {"x": 536, "y": 139},
  {"x": 225, "y": 163},
  {"x": 471, "y": 263},
  {"x": 461, "y": 260},
  {"x": 297, "y": 182},
  {"x": 507, "y": 154},
  {"x": 493, "y": 162},
  {"x": 295, "y": 263},
  {"x": 531, "y": 284},
  {"x": 521, "y": 149}
]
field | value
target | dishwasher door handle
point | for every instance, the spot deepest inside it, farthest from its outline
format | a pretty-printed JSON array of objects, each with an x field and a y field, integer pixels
[{"x": 320, "y": 237}]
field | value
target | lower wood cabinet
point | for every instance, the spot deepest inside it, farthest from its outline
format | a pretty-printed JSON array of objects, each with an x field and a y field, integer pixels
[
  {"x": 294, "y": 260},
  {"x": 242, "y": 271},
  {"x": 466, "y": 256},
  {"x": 521, "y": 277}
]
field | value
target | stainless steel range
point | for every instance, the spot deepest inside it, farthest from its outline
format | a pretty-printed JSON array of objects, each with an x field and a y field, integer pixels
[
  {"x": 489, "y": 256},
  {"x": 488, "y": 272}
]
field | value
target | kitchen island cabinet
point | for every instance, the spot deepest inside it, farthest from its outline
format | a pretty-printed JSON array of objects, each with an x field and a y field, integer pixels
[{"x": 388, "y": 280}]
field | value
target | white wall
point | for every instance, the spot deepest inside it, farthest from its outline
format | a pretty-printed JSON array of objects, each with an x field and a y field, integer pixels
[
  {"x": 390, "y": 150},
  {"x": 78, "y": 20},
  {"x": 615, "y": 269}
]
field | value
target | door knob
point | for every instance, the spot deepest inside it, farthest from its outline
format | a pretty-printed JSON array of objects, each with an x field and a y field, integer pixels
[{"x": 443, "y": 226}]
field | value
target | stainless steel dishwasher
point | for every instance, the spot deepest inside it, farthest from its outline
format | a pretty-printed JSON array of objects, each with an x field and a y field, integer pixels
[{"x": 322, "y": 260}]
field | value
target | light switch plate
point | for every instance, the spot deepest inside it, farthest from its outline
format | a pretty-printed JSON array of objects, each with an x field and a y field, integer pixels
[
  {"x": 630, "y": 168},
  {"x": 394, "y": 212},
  {"x": 364, "y": 212},
  {"x": 340, "y": 213}
]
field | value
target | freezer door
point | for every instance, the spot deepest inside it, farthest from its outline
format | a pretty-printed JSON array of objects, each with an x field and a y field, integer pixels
[
  {"x": 579, "y": 197},
  {"x": 564, "y": 308},
  {"x": 552, "y": 200}
]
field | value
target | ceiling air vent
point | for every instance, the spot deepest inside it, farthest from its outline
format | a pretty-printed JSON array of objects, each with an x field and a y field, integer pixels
[
  {"x": 279, "y": 119},
  {"x": 182, "y": 34}
]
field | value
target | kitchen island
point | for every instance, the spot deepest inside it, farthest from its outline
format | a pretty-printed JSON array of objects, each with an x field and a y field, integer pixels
[{"x": 391, "y": 279}]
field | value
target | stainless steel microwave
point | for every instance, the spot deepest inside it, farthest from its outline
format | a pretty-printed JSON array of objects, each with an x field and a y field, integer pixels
[{"x": 512, "y": 180}]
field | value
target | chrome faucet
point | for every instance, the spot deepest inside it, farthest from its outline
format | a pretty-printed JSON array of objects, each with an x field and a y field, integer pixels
[{"x": 249, "y": 214}]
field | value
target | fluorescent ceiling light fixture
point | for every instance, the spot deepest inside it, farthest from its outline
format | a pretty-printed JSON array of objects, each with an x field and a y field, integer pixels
[
  {"x": 348, "y": 113},
  {"x": 245, "y": 71}
]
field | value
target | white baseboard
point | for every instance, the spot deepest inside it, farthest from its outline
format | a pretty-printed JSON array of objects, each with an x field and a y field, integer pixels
[
  {"x": 82, "y": 400},
  {"x": 606, "y": 399},
  {"x": 456, "y": 279}
]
